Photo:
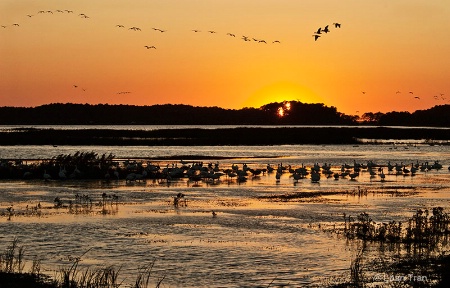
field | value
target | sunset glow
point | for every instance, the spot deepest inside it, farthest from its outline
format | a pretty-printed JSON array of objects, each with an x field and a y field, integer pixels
[{"x": 230, "y": 54}]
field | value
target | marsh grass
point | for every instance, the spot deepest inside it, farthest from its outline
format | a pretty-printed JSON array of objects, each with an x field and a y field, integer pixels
[
  {"x": 73, "y": 276},
  {"x": 417, "y": 261}
]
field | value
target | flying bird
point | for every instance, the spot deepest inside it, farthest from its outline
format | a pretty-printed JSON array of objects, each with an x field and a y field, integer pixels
[
  {"x": 15, "y": 24},
  {"x": 326, "y": 30},
  {"x": 135, "y": 28},
  {"x": 398, "y": 92},
  {"x": 196, "y": 30},
  {"x": 211, "y": 31},
  {"x": 276, "y": 41},
  {"x": 120, "y": 26},
  {"x": 318, "y": 31},
  {"x": 417, "y": 97},
  {"x": 363, "y": 92},
  {"x": 150, "y": 47},
  {"x": 316, "y": 37},
  {"x": 231, "y": 34},
  {"x": 410, "y": 92},
  {"x": 337, "y": 25}
]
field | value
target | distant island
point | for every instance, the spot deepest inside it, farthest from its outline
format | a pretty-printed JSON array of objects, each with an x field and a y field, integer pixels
[
  {"x": 284, "y": 113},
  {"x": 323, "y": 125}
]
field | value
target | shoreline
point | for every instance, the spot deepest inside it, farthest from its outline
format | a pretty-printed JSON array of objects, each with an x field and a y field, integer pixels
[{"x": 222, "y": 136}]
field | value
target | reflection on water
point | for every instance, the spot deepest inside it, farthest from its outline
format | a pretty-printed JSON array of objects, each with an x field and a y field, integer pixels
[{"x": 253, "y": 239}]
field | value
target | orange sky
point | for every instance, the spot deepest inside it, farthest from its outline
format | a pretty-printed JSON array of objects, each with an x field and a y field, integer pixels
[{"x": 382, "y": 47}]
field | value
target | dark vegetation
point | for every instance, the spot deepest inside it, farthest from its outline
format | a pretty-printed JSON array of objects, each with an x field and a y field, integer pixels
[
  {"x": 12, "y": 274},
  {"x": 177, "y": 114},
  {"x": 225, "y": 136},
  {"x": 417, "y": 243},
  {"x": 171, "y": 114}
]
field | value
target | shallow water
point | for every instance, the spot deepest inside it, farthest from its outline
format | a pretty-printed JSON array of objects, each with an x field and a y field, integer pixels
[{"x": 250, "y": 243}]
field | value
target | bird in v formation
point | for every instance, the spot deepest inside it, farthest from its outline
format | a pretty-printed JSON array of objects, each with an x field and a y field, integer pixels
[{"x": 317, "y": 34}]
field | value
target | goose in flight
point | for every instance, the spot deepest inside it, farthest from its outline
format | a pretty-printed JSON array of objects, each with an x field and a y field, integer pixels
[
  {"x": 276, "y": 41},
  {"x": 3, "y": 26},
  {"x": 69, "y": 11},
  {"x": 120, "y": 26},
  {"x": 195, "y": 30},
  {"x": 15, "y": 24},
  {"x": 337, "y": 25},
  {"x": 160, "y": 30},
  {"x": 316, "y": 37},
  {"x": 29, "y": 15},
  {"x": 211, "y": 31},
  {"x": 417, "y": 97},
  {"x": 150, "y": 47},
  {"x": 319, "y": 31},
  {"x": 135, "y": 28},
  {"x": 231, "y": 34},
  {"x": 326, "y": 30}
]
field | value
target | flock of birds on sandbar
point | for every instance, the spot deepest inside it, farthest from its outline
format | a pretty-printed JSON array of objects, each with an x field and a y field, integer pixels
[{"x": 212, "y": 173}]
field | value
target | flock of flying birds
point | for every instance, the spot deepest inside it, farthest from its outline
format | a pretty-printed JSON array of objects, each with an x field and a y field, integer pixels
[
  {"x": 439, "y": 97},
  {"x": 325, "y": 30}
]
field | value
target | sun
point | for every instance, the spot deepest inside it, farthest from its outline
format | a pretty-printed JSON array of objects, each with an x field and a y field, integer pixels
[{"x": 281, "y": 92}]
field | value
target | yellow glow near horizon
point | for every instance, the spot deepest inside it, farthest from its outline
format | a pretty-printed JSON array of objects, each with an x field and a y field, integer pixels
[{"x": 282, "y": 92}]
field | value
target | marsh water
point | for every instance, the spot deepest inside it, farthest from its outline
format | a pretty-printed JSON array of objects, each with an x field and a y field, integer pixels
[{"x": 251, "y": 241}]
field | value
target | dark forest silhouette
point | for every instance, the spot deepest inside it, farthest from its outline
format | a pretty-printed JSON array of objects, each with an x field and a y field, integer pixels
[{"x": 178, "y": 114}]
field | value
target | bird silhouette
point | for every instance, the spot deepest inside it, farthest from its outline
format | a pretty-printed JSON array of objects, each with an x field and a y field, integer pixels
[
  {"x": 337, "y": 25},
  {"x": 196, "y": 30},
  {"x": 326, "y": 30},
  {"x": 150, "y": 47},
  {"x": 319, "y": 31},
  {"x": 316, "y": 37},
  {"x": 231, "y": 34},
  {"x": 120, "y": 26},
  {"x": 15, "y": 24},
  {"x": 276, "y": 41},
  {"x": 417, "y": 97},
  {"x": 211, "y": 31}
]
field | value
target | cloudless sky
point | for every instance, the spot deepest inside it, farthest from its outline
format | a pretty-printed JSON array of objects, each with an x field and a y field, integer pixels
[{"x": 385, "y": 54}]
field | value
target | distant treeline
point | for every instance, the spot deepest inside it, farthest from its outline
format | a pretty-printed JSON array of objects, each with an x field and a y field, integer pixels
[
  {"x": 222, "y": 136},
  {"x": 294, "y": 113}
]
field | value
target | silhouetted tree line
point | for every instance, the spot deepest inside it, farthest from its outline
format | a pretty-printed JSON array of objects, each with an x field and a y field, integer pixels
[
  {"x": 297, "y": 113},
  {"x": 437, "y": 116},
  {"x": 170, "y": 114}
]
